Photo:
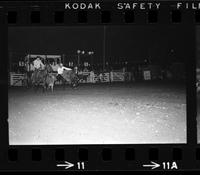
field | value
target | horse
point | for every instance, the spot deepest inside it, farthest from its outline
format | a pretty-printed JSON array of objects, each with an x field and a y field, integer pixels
[
  {"x": 43, "y": 77},
  {"x": 71, "y": 77},
  {"x": 38, "y": 78}
]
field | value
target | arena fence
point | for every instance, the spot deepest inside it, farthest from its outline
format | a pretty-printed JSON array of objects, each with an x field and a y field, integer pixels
[
  {"x": 17, "y": 79},
  {"x": 117, "y": 76}
]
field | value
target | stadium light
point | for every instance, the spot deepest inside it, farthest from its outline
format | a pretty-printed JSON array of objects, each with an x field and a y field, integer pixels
[
  {"x": 80, "y": 52},
  {"x": 90, "y": 53}
]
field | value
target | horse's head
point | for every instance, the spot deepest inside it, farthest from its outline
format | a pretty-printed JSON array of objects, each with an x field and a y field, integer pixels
[{"x": 48, "y": 68}]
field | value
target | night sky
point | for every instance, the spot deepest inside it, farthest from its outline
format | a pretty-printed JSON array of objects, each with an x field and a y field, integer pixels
[{"x": 130, "y": 43}]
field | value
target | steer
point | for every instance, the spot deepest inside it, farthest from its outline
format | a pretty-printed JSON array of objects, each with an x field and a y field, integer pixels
[
  {"x": 70, "y": 77},
  {"x": 50, "y": 80}
]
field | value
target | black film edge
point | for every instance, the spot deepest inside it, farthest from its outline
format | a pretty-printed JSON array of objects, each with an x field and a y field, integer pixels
[{"x": 135, "y": 104}]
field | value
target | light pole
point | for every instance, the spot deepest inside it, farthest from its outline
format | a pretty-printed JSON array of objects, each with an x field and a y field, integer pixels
[
  {"x": 78, "y": 52},
  {"x": 91, "y": 53}
]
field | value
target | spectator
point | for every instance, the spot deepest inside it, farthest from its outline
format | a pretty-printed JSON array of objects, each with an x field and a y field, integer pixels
[
  {"x": 76, "y": 70},
  {"x": 101, "y": 77}
]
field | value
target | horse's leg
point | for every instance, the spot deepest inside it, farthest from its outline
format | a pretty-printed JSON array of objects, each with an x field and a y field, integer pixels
[
  {"x": 44, "y": 87},
  {"x": 47, "y": 87},
  {"x": 30, "y": 80},
  {"x": 74, "y": 81},
  {"x": 71, "y": 83},
  {"x": 51, "y": 87},
  {"x": 28, "y": 83},
  {"x": 63, "y": 82},
  {"x": 36, "y": 87},
  {"x": 75, "y": 84}
]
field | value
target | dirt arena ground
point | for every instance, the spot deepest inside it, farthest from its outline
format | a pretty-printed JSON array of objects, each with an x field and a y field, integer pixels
[{"x": 118, "y": 113}]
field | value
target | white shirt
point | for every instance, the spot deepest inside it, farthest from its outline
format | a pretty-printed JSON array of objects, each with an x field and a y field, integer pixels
[
  {"x": 37, "y": 64},
  {"x": 61, "y": 69}
]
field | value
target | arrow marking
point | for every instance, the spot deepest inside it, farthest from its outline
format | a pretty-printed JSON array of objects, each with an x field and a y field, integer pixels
[
  {"x": 153, "y": 165},
  {"x": 66, "y": 165}
]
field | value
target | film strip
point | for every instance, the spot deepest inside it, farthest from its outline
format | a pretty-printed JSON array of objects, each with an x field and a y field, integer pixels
[{"x": 77, "y": 144}]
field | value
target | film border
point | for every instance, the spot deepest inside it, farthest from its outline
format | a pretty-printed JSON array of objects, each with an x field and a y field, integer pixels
[{"x": 21, "y": 156}]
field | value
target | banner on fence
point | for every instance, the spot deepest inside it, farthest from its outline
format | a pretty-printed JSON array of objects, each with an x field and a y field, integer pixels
[
  {"x": 117, "y": 76},
  {"x": 16, "y": 79},
  {"x": 147, "y": 75}
]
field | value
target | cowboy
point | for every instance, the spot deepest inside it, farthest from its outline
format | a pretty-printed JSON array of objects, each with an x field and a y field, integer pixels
[
  {"x": 60, "y": 70},
  {"x": 37, "y": 63}
]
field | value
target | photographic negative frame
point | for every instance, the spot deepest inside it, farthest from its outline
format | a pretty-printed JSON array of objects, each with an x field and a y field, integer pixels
[{"x": 117, "y": 155}]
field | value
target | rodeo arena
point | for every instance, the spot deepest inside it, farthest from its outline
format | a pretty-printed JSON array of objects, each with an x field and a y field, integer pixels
[{"x": 57, "y": 100}]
